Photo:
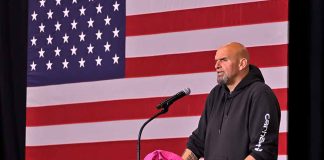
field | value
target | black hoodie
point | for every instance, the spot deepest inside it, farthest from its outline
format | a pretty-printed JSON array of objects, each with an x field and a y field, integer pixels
[{"x": 235, "y": 125}]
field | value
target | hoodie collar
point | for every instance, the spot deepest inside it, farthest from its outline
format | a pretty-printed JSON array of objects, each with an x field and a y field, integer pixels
[{"x": 254, "y": 75}]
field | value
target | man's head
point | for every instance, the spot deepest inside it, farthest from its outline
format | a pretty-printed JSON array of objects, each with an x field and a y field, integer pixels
[{"x": 232, "y": 61}]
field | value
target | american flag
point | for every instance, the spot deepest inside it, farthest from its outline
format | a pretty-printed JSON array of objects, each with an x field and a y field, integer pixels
[{"x": 98, "y": 68}]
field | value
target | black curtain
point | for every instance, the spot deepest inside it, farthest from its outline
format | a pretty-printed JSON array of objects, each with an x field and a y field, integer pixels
[
  {"x": 305, "y": 93},
  {"x": 13, "y": 47}
]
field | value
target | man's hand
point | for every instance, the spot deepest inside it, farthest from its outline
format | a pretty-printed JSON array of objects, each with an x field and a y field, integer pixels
[
  {"x": 249, "y": 157},
  {"x": 188, "y": 155}
]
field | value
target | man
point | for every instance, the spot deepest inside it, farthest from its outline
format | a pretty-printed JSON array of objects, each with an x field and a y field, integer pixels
[{"x": 241, "y": 116}]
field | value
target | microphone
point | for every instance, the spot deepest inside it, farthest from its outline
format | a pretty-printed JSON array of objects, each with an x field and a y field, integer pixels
[{"x": 172, "y": 99}]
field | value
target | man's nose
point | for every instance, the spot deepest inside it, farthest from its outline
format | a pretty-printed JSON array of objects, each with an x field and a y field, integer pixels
[{"x": 217, "y": 65}]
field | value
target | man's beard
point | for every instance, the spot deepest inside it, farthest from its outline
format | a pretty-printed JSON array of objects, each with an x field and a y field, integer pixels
[{"x": 222, "y": 80}]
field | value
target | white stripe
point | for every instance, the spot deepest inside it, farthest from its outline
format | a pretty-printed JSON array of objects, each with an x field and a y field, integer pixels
[
  {"x": 160, "y": 128},
  {"x": 274, "y": 80},
  {"x": 133, "y": 88},
  {"x": 135, "y": 7},
  {"x": 206, "y": 39},
  {"x": 283, "y": 121},
  {"x": 282, "y": 157}
]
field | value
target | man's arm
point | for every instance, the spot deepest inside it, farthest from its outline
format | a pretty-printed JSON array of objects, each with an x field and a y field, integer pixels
[
  {"x": 188, "y": 155},
  {"x": 264, "y": 121}
]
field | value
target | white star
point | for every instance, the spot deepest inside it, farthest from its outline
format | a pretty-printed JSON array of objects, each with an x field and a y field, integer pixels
[
  {"x": 42, "y": 3},
  {"x": 34, "y": 16},
  {"x": 65, "y": 64},
  {"x": 57, "y": 51},
  {"x": 90, "y": 0},
  {"x": 41, "y": 53},
  {"x": 116, "y": 31},
  {"x": 66, "y": 12},
  {"x": 74, "y": 25},
  {"x": 82, "y": 11},
  {"x": 65, "y": 38},
  {"x": 57, "y": 26},
  {"x": 98, "y": 34},
  {"x": 107, "y": 20},
  {"x": 90, "y": 22},
  {"x": 90, "y": 48},
  {"x": 82, "y": 62},
  {"x": 49, "y": 39},
  {"x": 33, "y": 66},
  {"x": 74, "y": 1},
  {"x": 50, "y": 14},
  {"x": 99, "y": 8},
  {"x": 58, "y": 2},
  {"x": 116, "y": 5},
  {"x": 98, "y": 60},
  {"x": 73, "y": 50},
  {"x": 107, "y": 47},
  {"x": 49, "y": 65},
  {"x": 115, "y": 58},
  {"x": 33, "y": 41},
  {"x": 82, "y": 36},
  {"x": 41, "y": 28}
]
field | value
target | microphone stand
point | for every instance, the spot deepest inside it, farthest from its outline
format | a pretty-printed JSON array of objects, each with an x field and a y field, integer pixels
[{"x": 165, "y": 109}]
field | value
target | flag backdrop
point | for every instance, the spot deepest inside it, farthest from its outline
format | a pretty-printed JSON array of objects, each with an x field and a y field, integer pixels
[{"x": 98, "y": 68}]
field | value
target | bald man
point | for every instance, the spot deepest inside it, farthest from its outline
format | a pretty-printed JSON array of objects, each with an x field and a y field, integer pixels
[{"x": 241, "y": 117}]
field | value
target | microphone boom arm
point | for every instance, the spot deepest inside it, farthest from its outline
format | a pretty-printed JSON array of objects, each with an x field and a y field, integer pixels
[{"x": 164, "y": 110}]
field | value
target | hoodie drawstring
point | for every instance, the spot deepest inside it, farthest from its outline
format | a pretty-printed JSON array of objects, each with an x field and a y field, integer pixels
[
  {"x": 224, "y": 105},
  {"x": 224, "y": 110},
  {"x": 229, "y": 107}
]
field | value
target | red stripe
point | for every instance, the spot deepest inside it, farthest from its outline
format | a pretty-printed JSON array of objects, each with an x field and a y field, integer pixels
[
  {"x": 131, "y": 109},
  {"x": 110, "y": 110},
  {"x": 282, "y": 146},
  {"x": 211, "y": 17},
  {"x": 282, "y": 97},
  {"x": 264, "y": 56},
  {"x": 117, "y": 150}
]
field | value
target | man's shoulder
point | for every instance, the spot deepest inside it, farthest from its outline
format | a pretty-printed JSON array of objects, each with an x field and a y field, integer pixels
[
  {"x": 215, "y": 92},
  {"x": 260, "y": 87},
  {"x": 216, "y": 89}
]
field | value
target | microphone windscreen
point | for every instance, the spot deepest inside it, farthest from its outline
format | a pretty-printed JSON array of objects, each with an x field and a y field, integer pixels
[{"x": 186, "y": 91}]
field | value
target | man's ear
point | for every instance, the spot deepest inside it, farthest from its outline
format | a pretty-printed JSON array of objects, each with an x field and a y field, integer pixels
[{"x": 243, "y": 63}]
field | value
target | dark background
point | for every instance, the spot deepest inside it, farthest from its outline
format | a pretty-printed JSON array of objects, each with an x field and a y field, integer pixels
[{"x": 305, "y": 92}]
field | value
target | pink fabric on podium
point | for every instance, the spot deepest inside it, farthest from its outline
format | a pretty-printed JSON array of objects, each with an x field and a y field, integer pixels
[{"x": 162, "y": 155}]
